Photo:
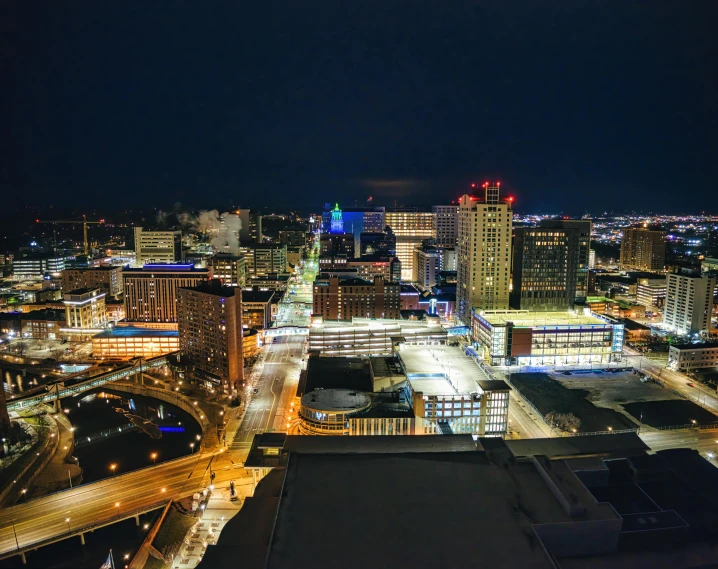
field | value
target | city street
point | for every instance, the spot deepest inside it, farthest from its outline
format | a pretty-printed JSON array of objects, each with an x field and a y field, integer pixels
[{"x": 282, "y": 362}]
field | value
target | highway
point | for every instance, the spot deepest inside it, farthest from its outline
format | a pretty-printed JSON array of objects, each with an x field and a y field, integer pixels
[{"x": 94, "y": 504}]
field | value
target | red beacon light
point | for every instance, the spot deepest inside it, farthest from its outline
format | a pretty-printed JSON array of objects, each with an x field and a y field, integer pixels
[
  {"x": 511, "y": 198},
  {"x": 473, "y": 185}
]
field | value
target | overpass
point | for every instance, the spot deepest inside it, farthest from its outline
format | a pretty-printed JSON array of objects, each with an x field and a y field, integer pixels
[
  {"x": 27, "y": 526},
  {"x": 59, "y": 389}
]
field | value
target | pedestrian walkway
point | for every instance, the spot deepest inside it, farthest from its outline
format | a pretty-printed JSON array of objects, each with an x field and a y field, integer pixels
[{"x": 219, "y": 510}]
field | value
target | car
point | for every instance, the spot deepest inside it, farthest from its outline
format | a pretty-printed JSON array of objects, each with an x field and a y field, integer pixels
[{"x": 689, "y": 384}]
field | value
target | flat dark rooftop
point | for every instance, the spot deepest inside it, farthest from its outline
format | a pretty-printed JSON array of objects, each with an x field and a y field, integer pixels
[
  {"x": 493, "y": 385},
  {"x": 339, "y": 373},
  {"x": 257, "y": 295},
  {"x": 618, "y": 445}
]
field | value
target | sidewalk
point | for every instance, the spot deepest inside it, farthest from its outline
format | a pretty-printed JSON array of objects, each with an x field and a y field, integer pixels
[
  {"x": 206, "y": 531},
  {"x": 56, "y": 475}
]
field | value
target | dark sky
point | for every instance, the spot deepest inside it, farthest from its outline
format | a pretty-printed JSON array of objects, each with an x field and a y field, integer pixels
[{"x": 572, "y": 104}]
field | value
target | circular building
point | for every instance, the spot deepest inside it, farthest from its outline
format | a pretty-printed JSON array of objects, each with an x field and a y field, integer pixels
[
  {"x": 250, "y": 343},
  {"x": 327, "y": 411}
]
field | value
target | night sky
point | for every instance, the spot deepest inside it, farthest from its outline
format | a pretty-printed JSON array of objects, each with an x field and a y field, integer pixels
[{"x": 573, "y": 105}]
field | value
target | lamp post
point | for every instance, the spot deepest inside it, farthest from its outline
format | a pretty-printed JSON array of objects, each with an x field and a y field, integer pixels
[
  {"x": 153, "y": 456},
  {"x": 191, "y": 446},
  {"x": 117, "y": 505},
  {"x": 14, "y": 531},
  {"x": 67, "y": 520},
  {"x": 113, "y": 467}
]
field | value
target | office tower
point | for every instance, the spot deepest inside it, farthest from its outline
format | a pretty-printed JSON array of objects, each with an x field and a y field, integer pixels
[
  {"x": 268, "y": 258},
  {"x": 427, "y": 265},
  {"x": 209, "y": 322},
  {"x": 106, "y": 278},
  {"x": 332, "y": 244},
  {"x": 343, "y": 299},
  {"x": 231, "y": 270},
  {"x": 484, "y": 253},
  {"x": 353, "y": 220},
  {"x": 157, "y": 247},
  {"x": 151, "y": 292},
  {"x": 410, "y": 227},
  {"x": 293, "y": 238},
  {"x": 643, "y": 249},
  {"x": 544, "y": 268},
  {"x": 689, "y": 302},
  {"x": 36, "y": 266},
  {"x": 85, "y": 309},
  {"x": 583, "y": 230},
  {"x": 651, "y": 292},
  {"x": 447, "y": 224}
]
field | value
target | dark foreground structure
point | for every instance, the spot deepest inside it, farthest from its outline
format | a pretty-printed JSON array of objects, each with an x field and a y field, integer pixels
[{"x": 451, "y": 501}]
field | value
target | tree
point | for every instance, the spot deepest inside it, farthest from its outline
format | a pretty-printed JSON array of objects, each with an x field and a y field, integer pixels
[
  {"x": 20, "y": 348},
  {"x": 567, "y": 422}
]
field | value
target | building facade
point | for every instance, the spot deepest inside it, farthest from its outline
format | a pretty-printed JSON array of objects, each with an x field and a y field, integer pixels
[
  {"x": 85, "y": 309},
  {"x": 544, "y": 268},
  {"x": 209, "y": 322},
  {"x": 520, "y": 337},
  {"x": 582, "y": 228},
  {"x": 126, "y": 342},
  {"x": 257, "y": 308},
  {"x": 643, "y": 249},
  {"x": 268, "y": 258},
  {"x": 427, "y": 266},
  {"x": 689, "y": 303},
  {"x": 151, "y": 291},
  {"x": 230, "y": 269},
  {"x": 411, "y": 228},
  {"x": 651, "y": 292},
  {"x": 447, "y": 224},
  {"x": 693, "y": 356},
  {"x": 106, "y": 278},
  {"x": 343, "y": 299},
  {"x": 484, "y": 253},
  {"x": 157, "y": 247}
]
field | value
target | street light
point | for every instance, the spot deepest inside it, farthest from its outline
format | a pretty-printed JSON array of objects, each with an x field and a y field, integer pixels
[
  {"x": 113, "y": 466},
  {"x": 24, "y": 493},
  {"x": 117, "y": 505},
  {"x": 68, "y": 524},
  {"x": 191, "y": 445},
  {"x": 153, "y": 456}
]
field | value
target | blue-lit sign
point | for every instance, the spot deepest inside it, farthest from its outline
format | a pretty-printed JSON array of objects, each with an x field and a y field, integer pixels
[{"x": 172, "y": 429}]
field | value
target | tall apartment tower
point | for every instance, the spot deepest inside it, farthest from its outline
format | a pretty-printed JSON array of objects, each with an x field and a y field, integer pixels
[
  {"x": 643, "y": 249},
  {"x": 583, "y": 244},
  {"x": 447, "y": 224},
  {"x": 151, "y": 292},
  {"x": 484, "y": 253},
  {"x": 689, "y": 302},
  {"x": 157, "y": 247},
  {"x": 544, "y": 268},
  {"x": 410, "y": 227},
  {"x": 209, "y": 320},
  {"x": 427, "y": 266}
]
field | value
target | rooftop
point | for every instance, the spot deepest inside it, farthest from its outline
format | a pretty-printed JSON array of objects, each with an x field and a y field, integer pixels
[
  {"x": 47, "y": 314},
  {"x": 257, "y": 295},
  {"x": 136, "y": 332},
  {"x": 335, "y": 373},
  {"x": 427, "y": 369},
  {"x": 214, "y": 287},
  {"x": 336, "y": 400},
  {"x": 698, "y": 346},
  {"x": 493, "y": 385},
  {"x": 526, "y": 318}
]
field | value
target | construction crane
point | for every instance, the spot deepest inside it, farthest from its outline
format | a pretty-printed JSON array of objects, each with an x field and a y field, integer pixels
[{"x": 84, "y": 223}]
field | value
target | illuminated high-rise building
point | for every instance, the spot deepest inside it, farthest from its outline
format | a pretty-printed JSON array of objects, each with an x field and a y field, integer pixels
[
  {"x": 582, "y": 228},
  {"x": 410, "y": 227},
  {"x": 689, "y": 302},
  {"x": 643, "y": 249},
  {"x": 484, "y": 253},
  {"x": 337, "y": 223},
  {"x": 209, "y": 319},
  {"x": 447, "y": 224},
  {"x": 157, "y": 246}
]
